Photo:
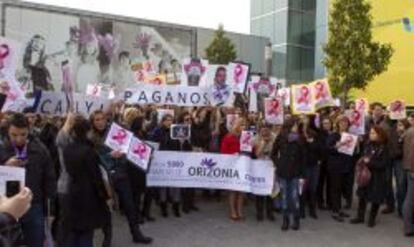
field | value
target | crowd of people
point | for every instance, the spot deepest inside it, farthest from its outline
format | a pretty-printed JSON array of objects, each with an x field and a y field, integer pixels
[{"x": 74, "y": 182}]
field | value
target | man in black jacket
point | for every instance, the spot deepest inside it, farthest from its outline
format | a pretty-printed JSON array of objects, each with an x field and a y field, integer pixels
[{"x": 21, "y": 150}]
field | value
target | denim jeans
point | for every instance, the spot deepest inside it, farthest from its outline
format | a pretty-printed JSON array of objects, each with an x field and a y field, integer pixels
[
  {"x": 81, "y": 239},
  {"x": 290, "y": 196},
  {"x": 33, "y": 226}
]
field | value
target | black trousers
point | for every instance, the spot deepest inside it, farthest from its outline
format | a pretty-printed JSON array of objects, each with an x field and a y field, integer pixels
[
  {"x": 323, "y": 191},
  {"x": 337, "y": 180},
  {"x": 348, "y": 187},
  {"x": 264, "y": 203},
  {"x": 362, "y": 207}
]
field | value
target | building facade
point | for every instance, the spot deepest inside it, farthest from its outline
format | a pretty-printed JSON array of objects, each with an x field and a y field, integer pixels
[
  {"x": 290, "y": 25},
  {"x": 298, "y": 30}
]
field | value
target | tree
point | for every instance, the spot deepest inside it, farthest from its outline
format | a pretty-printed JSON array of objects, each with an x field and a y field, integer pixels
[
  {"x": 352, "y": 58},
  {"x": 221, "y": 50}
]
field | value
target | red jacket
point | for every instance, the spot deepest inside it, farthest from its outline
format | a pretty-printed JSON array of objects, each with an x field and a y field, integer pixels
[{"x": 230, "y": 144}]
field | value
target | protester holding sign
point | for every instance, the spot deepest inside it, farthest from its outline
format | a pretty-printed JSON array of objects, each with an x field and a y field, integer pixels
[
  {"x": 188, "y": 193},
  {"x": 21, "y": 150},
  {"x": 377, "y": 158},
  {"x": 288, "y": 157},
  {"x": 166, "y": 143},
  {"x": 117, "y": 166},
  {"x": 86, "y": 190},
  {"x": 312, "y": 149},
  {"x": 231, "y": 145},
  {"x": 339, "y": 167},
  {"x": 263, "y": 149}
]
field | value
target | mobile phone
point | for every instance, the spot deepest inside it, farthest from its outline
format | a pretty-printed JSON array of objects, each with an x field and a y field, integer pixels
[{"x": 12, "y": 188}]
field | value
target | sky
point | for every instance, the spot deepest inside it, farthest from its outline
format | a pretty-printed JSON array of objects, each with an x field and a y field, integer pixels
[{"x": 233, "y": 14}]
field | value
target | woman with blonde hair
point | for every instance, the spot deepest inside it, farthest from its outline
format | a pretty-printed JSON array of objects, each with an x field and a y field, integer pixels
[{"x": 231, "y": 145}]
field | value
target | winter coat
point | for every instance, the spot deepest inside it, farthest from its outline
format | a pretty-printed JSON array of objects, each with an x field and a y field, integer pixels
[
  {"x": 375, "y": 191},
  {"x": 338, "y": 162},
  {"x": 86, "y": 191},
  {"x": 40, "y": 171},
  {"x": 288, "y": 157}
]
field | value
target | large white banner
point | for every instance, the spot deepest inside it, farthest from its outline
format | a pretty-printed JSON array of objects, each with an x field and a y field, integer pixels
[
  {"x": 211, "y": 171},
  {"x": 167, "y": 95},
  {"x": 59, "y": 103}
]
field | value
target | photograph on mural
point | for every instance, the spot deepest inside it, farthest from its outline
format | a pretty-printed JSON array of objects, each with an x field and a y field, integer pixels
[{"x": 66, "y": 53}]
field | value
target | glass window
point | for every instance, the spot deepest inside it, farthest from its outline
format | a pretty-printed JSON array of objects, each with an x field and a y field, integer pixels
[
  {"x": 279, "y": 61},
  {"x": 280, "y": 4},
  {"x": 268, "y": 6},
  {"x": 307, "y": 5},
  {"x": 280, "y": 27},
  {"x": 268, "y": 27},
  {"x": 255, "y": 8}
]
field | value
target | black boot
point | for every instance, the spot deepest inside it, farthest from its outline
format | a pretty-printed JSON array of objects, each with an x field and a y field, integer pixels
[
  {"x": 296, "y": 223},
  {"x": 138, "y": 237},
  {"x": 312, "y": 207},
  {"x": 164, "y": 210},
  {"x": 285, "y": 225},
  {"x": 302, "y": 207},
  {"x": 373, "y": 215},
  {"x": 176, "y": 209},
  {"x": 360, "y": 218},
  {"x": 259, "y": 216}
]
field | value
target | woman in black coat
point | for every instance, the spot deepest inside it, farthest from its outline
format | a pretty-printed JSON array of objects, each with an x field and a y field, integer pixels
[
  {"x": 288, "y": 157},
  {"x": 377, "y": 158},
  {"x": 339, "y": 167},
  {"x": 87, "y": 208},
  {"x": 168, "y": 144}
]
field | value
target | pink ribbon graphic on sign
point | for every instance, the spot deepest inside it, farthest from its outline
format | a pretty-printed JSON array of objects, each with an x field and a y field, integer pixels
[
  {"x": 356, "y": 118},
  {"x": 397, "y": 106},
  {"x": 348, "y": 142},
  {"x": 95, "y": 90},
  {"x": 194, "y": 64},
  {"x": 360, "y": 105},
  {"x": 247, "y": 138},
  {"x": 4, "y": 52},
  {"x": 120, "y": 136},
  {"x": 140, "y": 75},
  {"x": 274, "y": 107},
  {"x": 238, "y": 72},
  {"x": 140, "y": 149},
  {"x": 304, "y": 95},
  {"x": 266, "y": 83},
  {"x": 320, "y": 90}
]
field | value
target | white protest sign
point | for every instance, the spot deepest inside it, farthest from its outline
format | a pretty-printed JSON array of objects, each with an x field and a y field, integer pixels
[
  {"x": 167, "y": 95},
  {"x": 94, "y": 90},
  {"x": 274, "y": 110},
  {"x": 398, "y": 110},
  {"x": 237, "y": 76},
  {"x": 55, "y": 103},
  {"x": 357, "y": 121},
  {"x": 211, "y": 171},
  {"x": 322, "y": 94},
  {"x": 139, "y": 153},
  {"x": 194, "y": 72},
  {"x": 118, "y": 138},
  {"x": 8, "y": 173},
  {"x": 231, "y": 120},
  {"x": 347, "y": 144},
  {"x": 9, "y": 54},
  {"x": 302, "y": 99},
  {"x": 246, "y": 141}
]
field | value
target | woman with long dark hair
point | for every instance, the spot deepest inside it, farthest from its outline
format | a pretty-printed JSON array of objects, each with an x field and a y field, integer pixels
[
  {"x": 326, "y": 130},
  {"x": 376, "y": 158},
  {"x": 87, "y": 194},
  {"x": 288, "y": 157},
  {"x": 339, "y": 167}
]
